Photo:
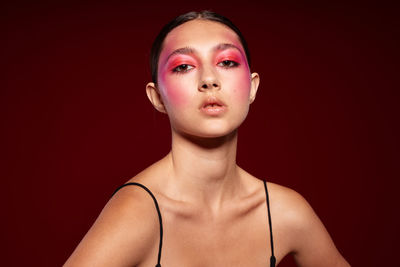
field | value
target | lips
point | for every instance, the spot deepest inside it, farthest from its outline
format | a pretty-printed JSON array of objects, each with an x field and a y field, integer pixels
[
  {"x": 213, "y": 106},
  {"x": 210, "y": 105},
  {"x": 212, "y": 101}
]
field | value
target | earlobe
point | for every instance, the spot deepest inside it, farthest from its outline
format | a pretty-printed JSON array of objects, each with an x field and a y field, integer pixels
[
  {"x": 155, "y": 98},
  {"x": 255, "y": 81}
]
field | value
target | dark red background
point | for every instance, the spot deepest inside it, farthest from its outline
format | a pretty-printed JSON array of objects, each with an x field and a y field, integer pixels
[{"x": 75, "y": 121}]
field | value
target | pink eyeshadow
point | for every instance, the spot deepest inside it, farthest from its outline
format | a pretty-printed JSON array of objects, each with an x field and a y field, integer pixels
[
  {"x": 179, "y": 60},
  {"x": 229, "y": 56}
]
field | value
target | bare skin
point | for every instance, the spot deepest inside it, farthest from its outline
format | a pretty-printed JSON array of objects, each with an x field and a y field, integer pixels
[{"x": 214, "y": 212}]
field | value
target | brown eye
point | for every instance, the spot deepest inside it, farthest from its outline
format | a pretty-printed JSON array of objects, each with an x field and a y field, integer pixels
[
  {"x": 182, "y": 68},
  {"x": 228, "y": 64}
]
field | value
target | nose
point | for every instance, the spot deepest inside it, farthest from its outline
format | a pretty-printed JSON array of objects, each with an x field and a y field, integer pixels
[{"x": 209, "y": 81}]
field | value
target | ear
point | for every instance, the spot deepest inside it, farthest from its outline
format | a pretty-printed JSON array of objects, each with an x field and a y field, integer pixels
[
  {"x": 155, "y": 98},
  {"x": 255, "y": 81}
]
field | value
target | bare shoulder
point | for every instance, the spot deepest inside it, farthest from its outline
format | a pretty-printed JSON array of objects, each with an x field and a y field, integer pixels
[
  {"x": 308, "y": 240},
  {"x": 124, "y": 234},
  {"x": 289, "y": 206}
]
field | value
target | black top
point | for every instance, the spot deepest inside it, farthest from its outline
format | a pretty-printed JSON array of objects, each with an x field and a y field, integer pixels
[{"x": 272, "y": 258}]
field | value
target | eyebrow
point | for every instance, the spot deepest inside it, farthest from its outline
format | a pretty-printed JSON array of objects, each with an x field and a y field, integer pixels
[
  {"x": 226, "y": 46},
  {"x": 189, "y": 50}
]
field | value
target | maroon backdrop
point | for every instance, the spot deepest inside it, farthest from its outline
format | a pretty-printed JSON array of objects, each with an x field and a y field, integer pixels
[{"x": 75, "y": 121}]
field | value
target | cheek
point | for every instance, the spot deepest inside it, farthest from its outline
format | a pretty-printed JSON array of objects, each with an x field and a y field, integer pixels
[
  {"x": 245, "y": 85},
  {"x": 175, "y": 90},
  {"x": 241, "y": 84}
]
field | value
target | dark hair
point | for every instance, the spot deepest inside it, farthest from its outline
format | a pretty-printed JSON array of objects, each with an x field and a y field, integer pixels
[{"x": 204, "y": 15}]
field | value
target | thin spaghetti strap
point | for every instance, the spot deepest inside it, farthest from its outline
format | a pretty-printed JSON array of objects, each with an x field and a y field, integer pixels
[
  {"x": 159, "y": 215},
  {"x": 272, "y": 259}
]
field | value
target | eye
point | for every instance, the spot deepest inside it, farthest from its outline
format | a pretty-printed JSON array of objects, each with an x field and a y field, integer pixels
[
  {"x": 182, "y": 68},
  {"x": 228, "y": 64}
]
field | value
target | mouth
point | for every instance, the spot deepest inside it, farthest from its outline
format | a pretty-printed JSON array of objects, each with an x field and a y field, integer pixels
[
  {"x": 212, "y": 101},
  {"x": 213, "y": 106}
]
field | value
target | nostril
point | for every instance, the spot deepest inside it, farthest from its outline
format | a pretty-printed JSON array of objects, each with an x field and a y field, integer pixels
[
  {"x": 204, "y": 86},
  {"x": 215, "y": 85}
]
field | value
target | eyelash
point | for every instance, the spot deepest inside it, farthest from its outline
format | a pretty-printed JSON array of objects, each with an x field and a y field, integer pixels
[
  {"x": 182, "y": 68},
  {"x": 186, "y": 67},
  {"x": 228, "y": 64}
]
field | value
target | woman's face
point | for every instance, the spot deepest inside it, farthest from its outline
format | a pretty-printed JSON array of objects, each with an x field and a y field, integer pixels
[{"x": 204, "y": 79}]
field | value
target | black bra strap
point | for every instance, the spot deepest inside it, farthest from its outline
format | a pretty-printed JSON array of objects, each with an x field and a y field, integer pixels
[
  {"x": 159, "y": 215},
  {"x": 272, "y": 259}
]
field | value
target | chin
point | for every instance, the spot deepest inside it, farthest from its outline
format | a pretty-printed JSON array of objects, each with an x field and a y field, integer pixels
[
  {"x": 218, "y": 131},
  {"x": 210, "y": 129},
  {"x": 213, "y": 135}
]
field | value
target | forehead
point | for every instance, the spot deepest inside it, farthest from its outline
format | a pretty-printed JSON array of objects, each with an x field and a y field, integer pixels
[{"x": 199, "y": 34}]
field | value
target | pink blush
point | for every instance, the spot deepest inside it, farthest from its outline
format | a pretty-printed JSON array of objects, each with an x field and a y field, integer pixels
[
  {"x": 239, "y": 81},
  {"x": 244, "y": 86},
  {"x": 174, "y": 88}
]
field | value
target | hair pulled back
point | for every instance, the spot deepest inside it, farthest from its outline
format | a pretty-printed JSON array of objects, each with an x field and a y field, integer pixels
[{"x": 204, "y": 15}]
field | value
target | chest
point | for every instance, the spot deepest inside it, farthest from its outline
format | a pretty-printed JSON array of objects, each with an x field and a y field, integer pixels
[{"x": 237, "y": 239}]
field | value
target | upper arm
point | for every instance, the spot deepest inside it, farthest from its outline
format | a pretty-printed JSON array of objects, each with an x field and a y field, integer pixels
[
  {"x": 311, "y": 243},
  {"x": 123, "y": 234}
]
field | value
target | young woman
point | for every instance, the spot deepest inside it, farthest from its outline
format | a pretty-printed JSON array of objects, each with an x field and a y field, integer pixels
[{"x": 196, "y": 206}]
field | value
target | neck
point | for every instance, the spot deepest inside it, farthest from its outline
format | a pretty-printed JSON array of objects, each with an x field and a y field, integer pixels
[{"x": 204, "y": 169}]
